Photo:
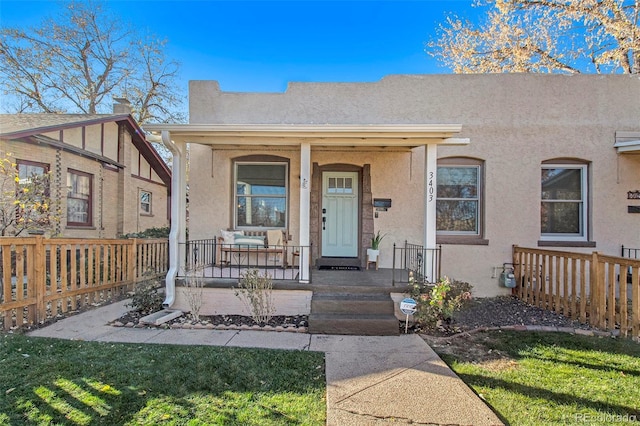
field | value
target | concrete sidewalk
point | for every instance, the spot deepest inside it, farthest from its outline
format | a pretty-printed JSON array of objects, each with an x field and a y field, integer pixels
[{"x": 371, "y": 380}]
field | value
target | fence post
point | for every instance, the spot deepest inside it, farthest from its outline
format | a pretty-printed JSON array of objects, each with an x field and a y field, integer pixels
[
  {"x": 40, "y": 287},
  {"x": 515, "y": 258},
  {"x": 635, "y": 304},
  {"x": 596, "y": 288},
  {"x": 132, "y": 270}
]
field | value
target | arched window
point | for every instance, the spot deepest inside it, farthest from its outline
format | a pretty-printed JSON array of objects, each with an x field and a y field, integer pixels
[
  {"x": 459, "y": 205},
  {"x": 564, "y": 207},
  {"x": 261, "y": 190}
]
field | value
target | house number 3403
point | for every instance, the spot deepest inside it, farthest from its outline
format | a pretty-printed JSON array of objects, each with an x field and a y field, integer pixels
[{"x": 430, "y": 190}]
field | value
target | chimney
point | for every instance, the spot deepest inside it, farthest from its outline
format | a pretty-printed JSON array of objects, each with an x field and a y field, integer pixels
[{"x": 121, "y": 106}]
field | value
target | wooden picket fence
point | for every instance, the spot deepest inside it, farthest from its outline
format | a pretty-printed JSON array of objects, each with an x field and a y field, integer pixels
[
  {"x": 42, "y": 278},
  {"x": 599, "y": 290}
]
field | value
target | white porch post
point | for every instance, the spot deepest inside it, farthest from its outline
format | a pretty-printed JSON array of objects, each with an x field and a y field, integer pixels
[
  {"x": 305, "y": 206},
  {"x": 430, "y": 187},
  {"x": 177, "y": 235}
]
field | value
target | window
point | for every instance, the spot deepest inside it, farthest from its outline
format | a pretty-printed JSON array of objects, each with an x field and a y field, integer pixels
[
  {"x": 145, "y": 202},
  {"x": 79, "y": 198},
  {"x": 340, "y": 185},
  {"x": 563, "y": 208},
  {"x": 260, "y": 198},
  {"x": 458, "y": 205},
  {"x": 29, "y": 171},
  {"x": 33, "y": 191}
]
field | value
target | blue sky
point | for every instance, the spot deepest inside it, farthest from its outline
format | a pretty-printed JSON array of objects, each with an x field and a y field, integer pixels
[{"x": 263, "y": 45}]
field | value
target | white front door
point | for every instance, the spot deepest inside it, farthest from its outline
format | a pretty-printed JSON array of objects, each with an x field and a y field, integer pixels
[{"x": 339, "y": 214}]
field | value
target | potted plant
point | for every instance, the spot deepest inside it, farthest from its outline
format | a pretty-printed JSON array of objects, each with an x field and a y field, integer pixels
[{"x": 374, "y": 251}]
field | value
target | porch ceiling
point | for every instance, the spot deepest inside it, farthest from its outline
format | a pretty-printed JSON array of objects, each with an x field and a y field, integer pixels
[{"x": 393, "y": 135}]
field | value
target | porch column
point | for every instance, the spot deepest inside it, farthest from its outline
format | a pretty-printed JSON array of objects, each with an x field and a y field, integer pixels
[
  {"x": 177, "y": 234},
  {"x": 430, "y": 189},
  {"x": 305, "y": 206}
]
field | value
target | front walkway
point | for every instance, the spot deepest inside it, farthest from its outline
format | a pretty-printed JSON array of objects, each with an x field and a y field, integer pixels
[{"x": 371, "y": 380}]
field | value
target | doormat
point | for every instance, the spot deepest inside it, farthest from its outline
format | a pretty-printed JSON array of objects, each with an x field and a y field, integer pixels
[{"x": 338, "y": 268}]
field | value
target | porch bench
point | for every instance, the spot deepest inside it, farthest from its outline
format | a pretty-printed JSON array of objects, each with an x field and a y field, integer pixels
[{"x": 275, "y": 245}]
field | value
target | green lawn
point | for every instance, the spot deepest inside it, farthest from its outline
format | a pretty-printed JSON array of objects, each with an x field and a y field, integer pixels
[
  {"x": 49, "y": 381},
  {"x": 556, "y": 378}
]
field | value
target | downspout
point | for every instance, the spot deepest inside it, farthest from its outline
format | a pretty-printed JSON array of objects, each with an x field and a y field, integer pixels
[{"x": 177, "y": 217}]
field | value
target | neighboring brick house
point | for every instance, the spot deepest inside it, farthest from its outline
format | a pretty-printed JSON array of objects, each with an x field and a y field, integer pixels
[{"x": 106, "y": 178}]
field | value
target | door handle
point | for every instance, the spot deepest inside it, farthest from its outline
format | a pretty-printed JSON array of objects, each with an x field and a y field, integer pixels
[{"x": 324, "y": 222}]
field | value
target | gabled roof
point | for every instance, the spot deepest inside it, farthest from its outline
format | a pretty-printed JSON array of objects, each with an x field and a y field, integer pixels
[{"x": 30, "y": 127}]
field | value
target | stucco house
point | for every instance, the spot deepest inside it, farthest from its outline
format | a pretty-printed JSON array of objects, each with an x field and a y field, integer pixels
[
  {"x": 105, "y": 178},
  {"x": 471, "y": 163}
]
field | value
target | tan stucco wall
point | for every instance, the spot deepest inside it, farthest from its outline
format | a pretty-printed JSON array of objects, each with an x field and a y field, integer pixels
[
  {"x": 210, "y": 210},
  {"x": 223, "y": 301},
  {"x": 514, "y": 122}
]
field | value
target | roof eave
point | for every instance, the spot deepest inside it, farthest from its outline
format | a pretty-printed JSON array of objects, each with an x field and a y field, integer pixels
[{"x": 322, "y": 135}]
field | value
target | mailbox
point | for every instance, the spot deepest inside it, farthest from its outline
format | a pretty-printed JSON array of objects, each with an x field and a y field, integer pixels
[{"x": 384, "y": 203}]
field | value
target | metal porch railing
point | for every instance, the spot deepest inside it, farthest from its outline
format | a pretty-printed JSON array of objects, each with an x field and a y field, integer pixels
[
  {"x": 631, "y": 253},
  {"x": 229, "y": 261},
  {"x": 423, "y": 263}
]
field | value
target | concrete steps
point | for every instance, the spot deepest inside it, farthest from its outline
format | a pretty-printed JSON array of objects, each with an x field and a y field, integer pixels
[{"x": 353, "y": 312}]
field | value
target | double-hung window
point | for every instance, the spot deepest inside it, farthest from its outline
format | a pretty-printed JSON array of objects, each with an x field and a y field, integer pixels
[
  {"x": 260, "y": 198},
  {"x": 459, "y": 204},
  {"x": 145, "y": 202},
  {"x": 563, "y": 208},
  {"x": 79, "y": 198}
]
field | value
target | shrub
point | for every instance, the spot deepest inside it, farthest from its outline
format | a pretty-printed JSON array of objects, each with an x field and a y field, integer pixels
[
  {"x": 255, "y": 291},
  {"x": 146, "y": 298},
  {"x": 192, "y": 290},
  {"x": 150, "y": 233},
  {"x": 436, "y": 303}
]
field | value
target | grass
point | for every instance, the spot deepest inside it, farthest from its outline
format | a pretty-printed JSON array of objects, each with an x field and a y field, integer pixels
[
  {"x": 49, "y": 381},
  {"x": 555, "y": 378}
]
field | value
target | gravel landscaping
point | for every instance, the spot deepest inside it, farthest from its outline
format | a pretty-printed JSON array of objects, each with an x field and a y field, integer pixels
[{"x": 481, "y": 313}]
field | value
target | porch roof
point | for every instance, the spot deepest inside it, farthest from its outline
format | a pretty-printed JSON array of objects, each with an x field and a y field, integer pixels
[{"x": 392, "y": 135}]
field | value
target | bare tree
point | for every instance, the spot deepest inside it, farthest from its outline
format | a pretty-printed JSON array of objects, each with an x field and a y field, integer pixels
[
  {"x": 566, "y": 36},
  {"x": 79, "y": 61}
]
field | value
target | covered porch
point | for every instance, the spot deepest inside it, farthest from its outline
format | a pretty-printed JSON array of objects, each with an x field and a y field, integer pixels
[{"x": 305, "y": 230}]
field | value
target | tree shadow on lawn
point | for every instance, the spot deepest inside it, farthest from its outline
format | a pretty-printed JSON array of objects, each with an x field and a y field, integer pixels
[
  {"x": 557, "y": 397},
  {"x": 593, "y": 353},
  {"x": 590, "y": 361},
  {"x": 47, "y": 381}
]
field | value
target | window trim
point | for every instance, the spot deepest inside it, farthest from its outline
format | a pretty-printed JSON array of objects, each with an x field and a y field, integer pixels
[
  {"x": 468, "y": 238},
  {"x": 583, "y": 236},
  {"x": 234, "y": 208},
  {"x": 150, "y": 202},
  {"x": 89, "y": 222}
]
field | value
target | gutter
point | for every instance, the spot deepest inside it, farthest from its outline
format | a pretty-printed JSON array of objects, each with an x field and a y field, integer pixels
[{"x": 177, "y": 218}]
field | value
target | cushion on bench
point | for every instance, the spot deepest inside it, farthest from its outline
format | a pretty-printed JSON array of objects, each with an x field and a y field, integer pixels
[
  {"x": 246, "y": 240},
  {"x": 274, "y": 238},
  {"x": 228, "y": 237}
]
